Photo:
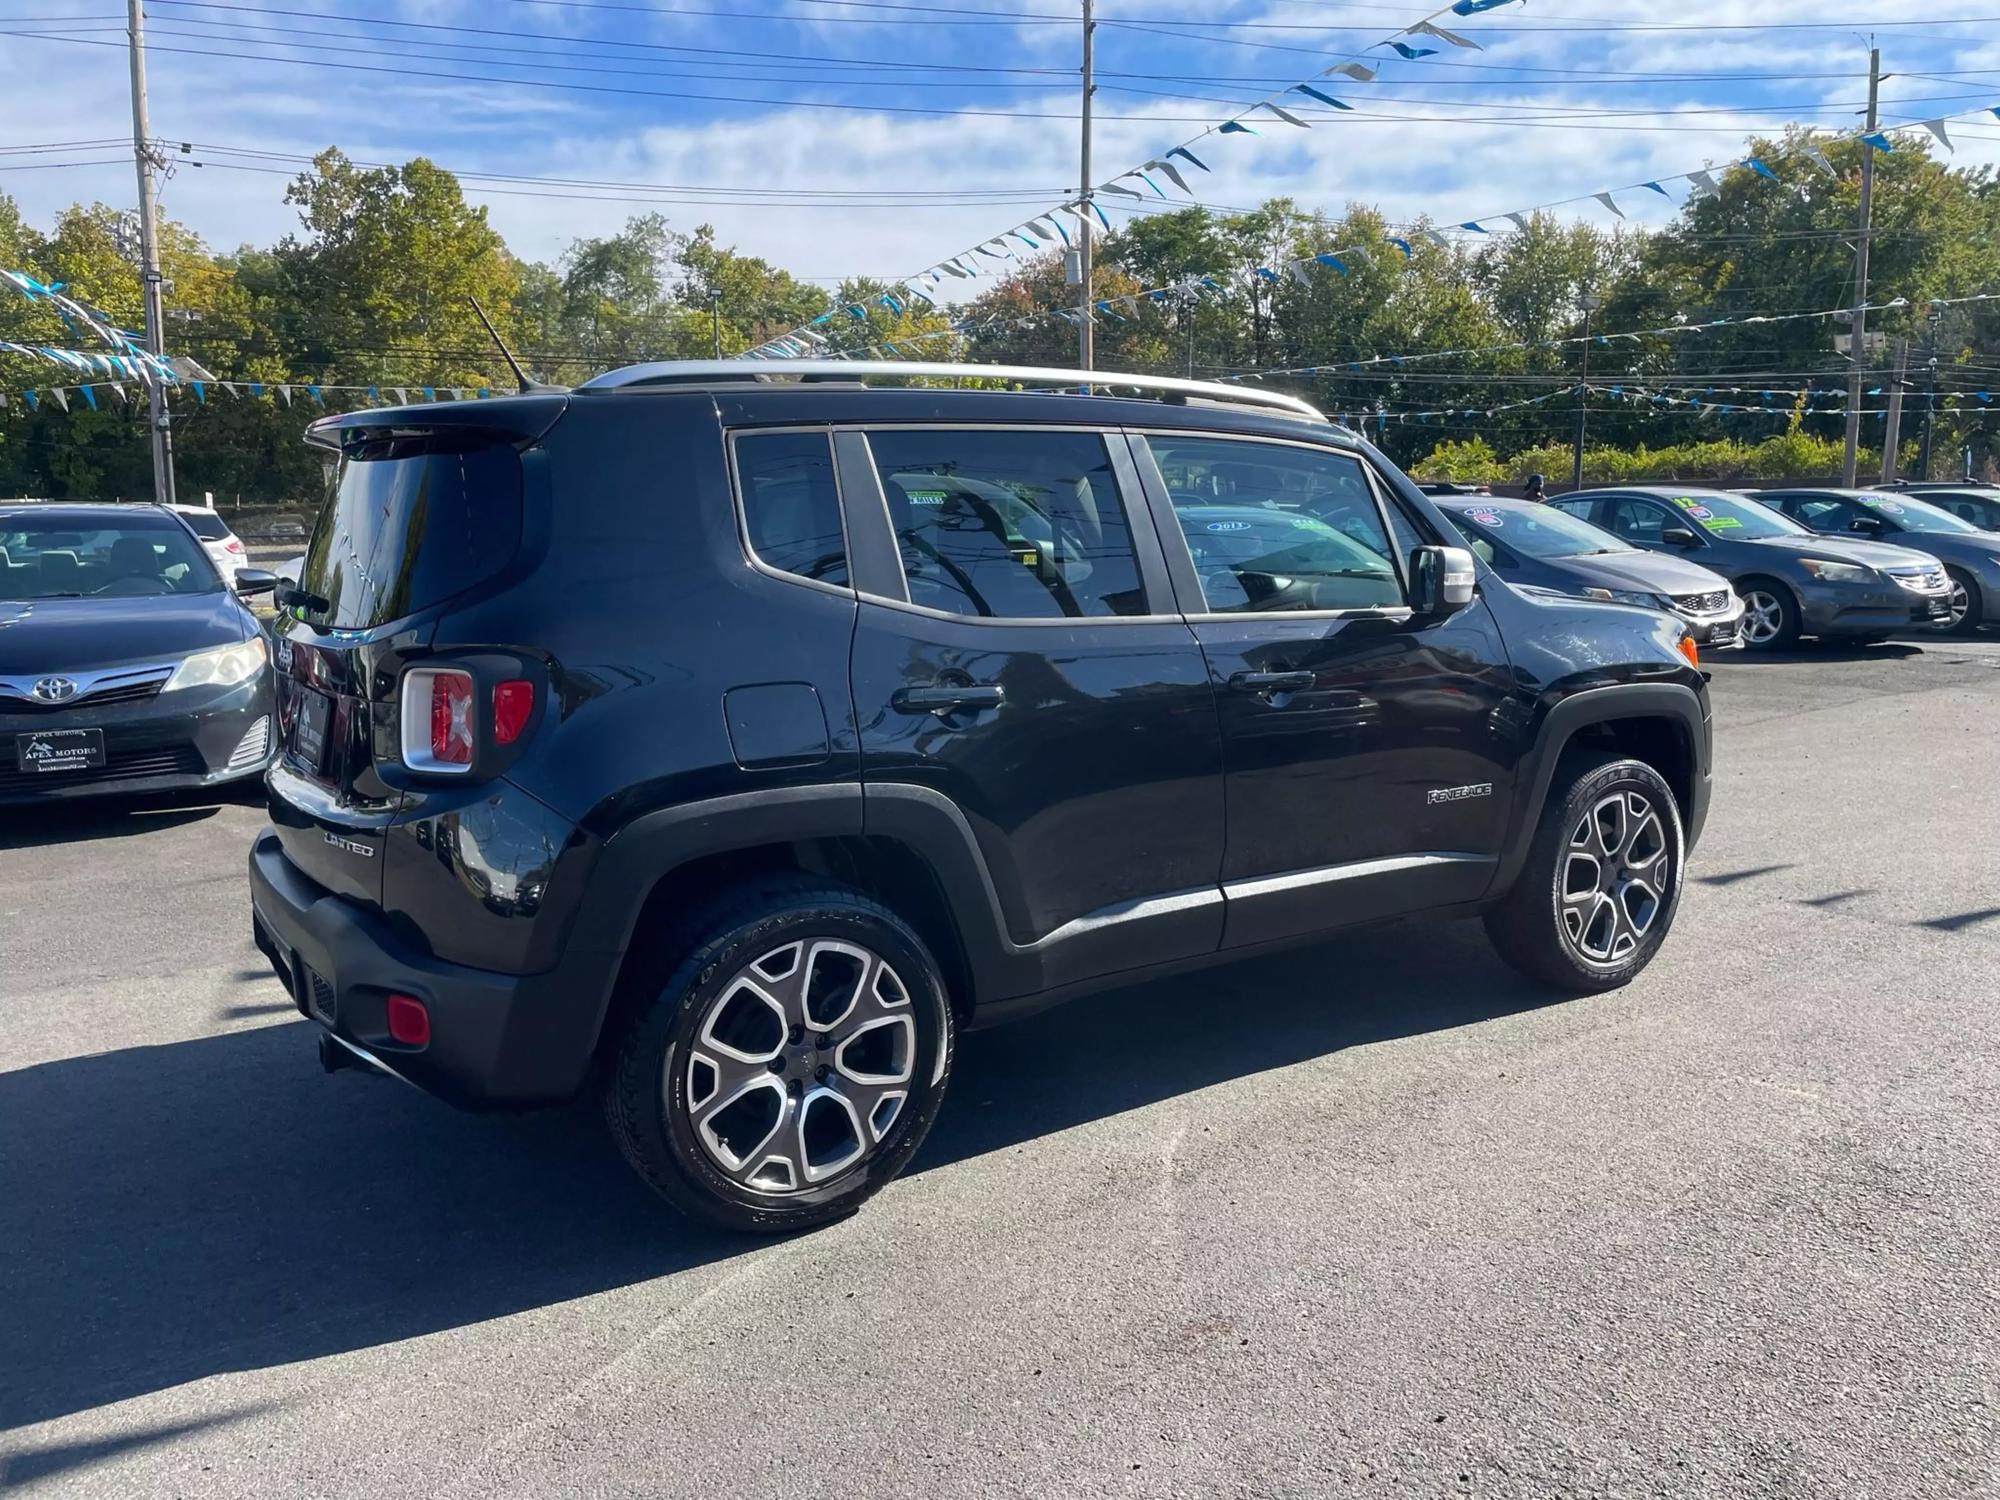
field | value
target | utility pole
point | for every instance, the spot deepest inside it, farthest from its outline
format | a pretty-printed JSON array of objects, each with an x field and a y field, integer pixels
[
  {"x": 715, "y": 322},
  {"x": 1589, "y": 304},
  {"x": 149, "y": 260},
  {"x": 1930, "y": 392},
  {"x": 1086, "y": 354},
  {"x": 1860, "y": 347},
  {"x": 1892, "y": 433}
]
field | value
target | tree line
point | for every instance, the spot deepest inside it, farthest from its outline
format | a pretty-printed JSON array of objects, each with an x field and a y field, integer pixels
[{"x": 371, "y": 289}]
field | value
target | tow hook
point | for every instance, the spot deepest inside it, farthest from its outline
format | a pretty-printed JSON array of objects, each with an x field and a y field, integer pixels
[{"x": 334, "y": 1058}]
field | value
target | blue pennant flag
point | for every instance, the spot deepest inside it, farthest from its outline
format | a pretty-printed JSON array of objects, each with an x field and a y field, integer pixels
[
  {"x": 1332, "y": 260},
  {"x": 1267, "y": 273},
  {"x": 485, "y": 393},
  {"x": 1409, "y": 252},
  {"x": 373, "y": 394},
  {"x": 257, "y": 389},
  {"x": 856, "y": 311},
  {"x": 1308, "y": 89},
  {"x": 319, "y": 398},
  {"x": 1879, "y": 141},
  {"x": 1759, "y": 168},
  {"x": 889, "y": 299},
  {"x": 34, "y": 401},
  {"x": 1657, "y": 188},
  {"x": 1235, "y": 127},
  {"x": 1475, "y": 226},
  {"x": 200, "y": 393},
  {"x": 1189, "y": 156},
  {"x": 430, "y": 392},
  {"x": 89, "y": 396},
  {"x": 1474, "y": 7},
  {"x": 825, "y": 317},
  {"x": 1409, "y": 53}
]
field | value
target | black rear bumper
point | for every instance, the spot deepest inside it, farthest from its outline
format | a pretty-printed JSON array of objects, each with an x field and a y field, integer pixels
[{"x": 497, "y": 1040}]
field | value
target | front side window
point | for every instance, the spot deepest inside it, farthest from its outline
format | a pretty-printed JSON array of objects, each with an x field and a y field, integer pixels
[
  {"x": 1275, "y": 528},
  {"x": 791, "y": 505},
  {"x": 1013, "y": 524}
]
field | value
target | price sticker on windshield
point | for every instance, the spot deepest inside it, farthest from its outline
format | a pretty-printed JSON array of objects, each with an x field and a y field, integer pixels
[
  {"x": 1485, "y": 518},
  {"x": 1694, "y": 508}
]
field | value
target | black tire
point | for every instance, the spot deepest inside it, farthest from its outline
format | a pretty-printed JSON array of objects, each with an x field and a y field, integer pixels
[
  {"x": 1528, "y": 925},
  {"x": 1787, "y": 606},
  {"x": 1975, "y": 602},
  {"x": 652, "y": 1088}
]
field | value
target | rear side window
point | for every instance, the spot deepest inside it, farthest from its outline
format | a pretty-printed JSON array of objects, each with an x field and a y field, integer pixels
[
  {"x": 207, "y": 524},
  {"x": 407, "y": 525},
  {"x": 1021, "y": 524},
  {"x": 791, "y": 506}
]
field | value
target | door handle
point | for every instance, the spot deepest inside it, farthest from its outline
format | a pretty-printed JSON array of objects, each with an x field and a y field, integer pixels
[
  {"x": 972, "y": 697},
  {"x": 1270, "y": 682}
]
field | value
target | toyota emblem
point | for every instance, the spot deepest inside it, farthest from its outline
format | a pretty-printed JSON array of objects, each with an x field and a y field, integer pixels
[{"x": 53, "y": 690}]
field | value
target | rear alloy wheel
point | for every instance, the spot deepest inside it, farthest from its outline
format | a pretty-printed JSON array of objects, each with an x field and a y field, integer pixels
[
  {"x": 1770, "y": 617},
  {"x": 1602, "y": 880},
  {"x": 1968, "y": 605},
  {"x": 790, "y": 1065}
]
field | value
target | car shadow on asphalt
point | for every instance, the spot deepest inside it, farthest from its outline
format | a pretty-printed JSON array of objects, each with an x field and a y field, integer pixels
[
  {"x": 169, "y": 1213},
  {"x": 115, "y": 816}
]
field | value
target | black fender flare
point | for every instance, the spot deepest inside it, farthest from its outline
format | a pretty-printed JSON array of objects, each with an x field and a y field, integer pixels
[{"x": 1578, "y": 711}]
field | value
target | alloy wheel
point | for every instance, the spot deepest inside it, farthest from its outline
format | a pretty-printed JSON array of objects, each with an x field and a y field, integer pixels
[
  {"x": 1614, "y": 877},
  {"x": 1763, "y": 617},
  {"x": 801, "y": 1066},
  {"x": 1961, "y": 601}
]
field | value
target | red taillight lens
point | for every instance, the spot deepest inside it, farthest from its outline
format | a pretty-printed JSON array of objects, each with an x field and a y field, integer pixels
[
  {"x": 513, "y": 703},
  {"x": 451, "y": 718},
  {"x": 233, "y": 545},
  {"x": 409, "y": 1022}
]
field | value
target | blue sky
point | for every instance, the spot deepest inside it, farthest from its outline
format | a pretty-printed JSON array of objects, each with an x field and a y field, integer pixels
[{"x": 953, "y": 118}]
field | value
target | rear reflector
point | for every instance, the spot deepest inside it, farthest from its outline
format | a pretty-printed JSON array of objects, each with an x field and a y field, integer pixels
[
  {"x": 513, "y": 703},
  {"x": 409, "y": 1022}
]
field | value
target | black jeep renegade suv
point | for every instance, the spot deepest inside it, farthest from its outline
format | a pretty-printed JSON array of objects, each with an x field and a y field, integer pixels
[{"x": 726, "y": 738}]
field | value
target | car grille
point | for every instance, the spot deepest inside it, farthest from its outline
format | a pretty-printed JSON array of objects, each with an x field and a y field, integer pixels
[
  {"x": 1929, "y": 580},
  {"x": 127, "y": 692},
  {"x": 1703, "y": 604},
  {"x": 119, "y": 765}
]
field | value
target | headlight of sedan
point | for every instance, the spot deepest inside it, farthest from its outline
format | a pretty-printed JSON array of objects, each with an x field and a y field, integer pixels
[
  {"x": 1627, "y": 596},
  {"x": 1828, "y": 571},
  {"x": 225, "y": 666}
]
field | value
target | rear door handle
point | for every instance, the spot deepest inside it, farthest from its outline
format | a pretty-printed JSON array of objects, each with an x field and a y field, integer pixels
[
  {"x": 972, "y": 697},
  {"x": 1270, "y": 682}
]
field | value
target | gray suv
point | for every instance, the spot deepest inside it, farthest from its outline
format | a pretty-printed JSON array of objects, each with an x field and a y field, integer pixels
[
  {"x": 1793, "y": 582},
  {"x": 1971, "y": 557}
]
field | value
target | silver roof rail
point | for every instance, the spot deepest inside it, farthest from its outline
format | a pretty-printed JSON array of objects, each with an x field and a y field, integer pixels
[{"x": 720, "y": 371}]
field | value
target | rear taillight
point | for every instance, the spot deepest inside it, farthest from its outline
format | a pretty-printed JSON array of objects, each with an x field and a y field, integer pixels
[
  {"x": 438, "y": 723},
  {"x": 232, "y": 545},
  {"x": 513, "y": 704}
]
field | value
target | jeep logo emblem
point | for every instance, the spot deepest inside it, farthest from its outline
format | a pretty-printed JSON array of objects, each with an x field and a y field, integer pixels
[{"x": 53, "y": 690}]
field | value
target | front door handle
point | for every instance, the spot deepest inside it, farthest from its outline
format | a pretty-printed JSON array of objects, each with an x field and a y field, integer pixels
[
  {"x": 1270, "y": 682},
  {"x": 970, "y": 698}
]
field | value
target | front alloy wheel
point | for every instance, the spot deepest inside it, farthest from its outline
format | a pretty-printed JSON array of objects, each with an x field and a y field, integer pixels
[
  {"x": 1614, "y": 870},
  {"x": 1763, "y": 617}
]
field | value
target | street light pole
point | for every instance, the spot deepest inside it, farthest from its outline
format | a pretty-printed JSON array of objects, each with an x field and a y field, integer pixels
[
  {"x": 1086, "y": 353},
  {"x": 1589, "y": 304},
  {"x": 149, "y": 259}
]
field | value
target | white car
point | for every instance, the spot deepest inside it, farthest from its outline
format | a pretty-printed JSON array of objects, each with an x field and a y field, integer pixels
[
  {"x": 290, "y": 569},
  {"x": 217, "y": 540}
]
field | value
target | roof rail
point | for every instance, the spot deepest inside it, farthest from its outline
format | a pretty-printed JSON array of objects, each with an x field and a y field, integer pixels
[{"x": 1108, "y": 382}]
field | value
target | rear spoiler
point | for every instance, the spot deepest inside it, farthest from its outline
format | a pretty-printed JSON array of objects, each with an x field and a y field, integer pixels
[{"x": 516, "y": 419}]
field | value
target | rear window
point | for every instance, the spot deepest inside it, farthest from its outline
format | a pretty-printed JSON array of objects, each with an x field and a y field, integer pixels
[
  {"x": 207, "y": 524},
  {"x": 407, "y": 526}
]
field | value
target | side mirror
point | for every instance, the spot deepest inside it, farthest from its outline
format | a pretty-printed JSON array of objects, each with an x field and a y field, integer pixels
[
  {"x": 1441, "y": 581},
  {"x": 1678, "y": 536},
  {"x": 255, "y": 581},
  {"x": 1870, "y": 525}
]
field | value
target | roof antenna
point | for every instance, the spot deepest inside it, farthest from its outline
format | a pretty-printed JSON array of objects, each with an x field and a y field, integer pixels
[{"x": 527, "y": 384}]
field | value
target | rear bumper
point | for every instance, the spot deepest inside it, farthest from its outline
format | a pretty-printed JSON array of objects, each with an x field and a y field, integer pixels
[{"x": 497, "y": 1040}]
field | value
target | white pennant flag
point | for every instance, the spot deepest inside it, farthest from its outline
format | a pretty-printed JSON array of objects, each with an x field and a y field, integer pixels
[
  {"x": 1360, "y": 255},
  {"x": 1520, "y": 223},
  {"x": 1286, "y": 116},
  {"x": 402, "y": 395},
  {"x": 1703, "y": 184},
  {"x": 1123, "y": 192},
  {"x": 62, "y": 397},
  {"x": 286, "y": 392},
  {"x": 1424, "y": 28},
  {"x": 119, "y": 390},
  {"x": 1440, "y": 237},
  {"x": 1818, "y": 158},
  {"x": 1173, "y": 173},
  {"x": 1359, "y": 72},
  {"x": 230, "y": 386},
  {"x": 1609, "y": 202},
  {"x": 1297, "y": 271},
  {"x": 1936, "y": 128}
]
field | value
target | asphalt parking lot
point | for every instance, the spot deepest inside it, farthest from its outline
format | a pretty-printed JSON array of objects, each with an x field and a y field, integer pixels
[{"x": 1373, "y": 1218}]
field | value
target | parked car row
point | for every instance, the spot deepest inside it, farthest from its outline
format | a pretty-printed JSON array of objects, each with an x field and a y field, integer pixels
[{"x": 1763, "y": 567}]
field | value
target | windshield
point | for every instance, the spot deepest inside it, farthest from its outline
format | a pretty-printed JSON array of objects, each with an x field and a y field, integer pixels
[
  {"x": 57, "y": 557},
  {"x": 1733, "y": 518},
  {"x": 1912, "y": 514},
  {"x": 1541, "y": 532}
]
